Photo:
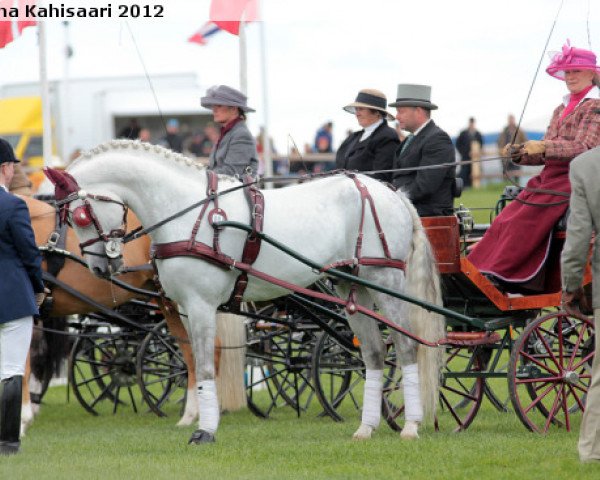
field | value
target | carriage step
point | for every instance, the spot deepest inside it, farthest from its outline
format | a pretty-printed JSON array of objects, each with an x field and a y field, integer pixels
[{"x": 465, "y": 339}]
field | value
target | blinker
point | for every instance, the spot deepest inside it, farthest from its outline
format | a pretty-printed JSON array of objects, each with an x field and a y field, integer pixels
[{"x": 81, "y": 217}]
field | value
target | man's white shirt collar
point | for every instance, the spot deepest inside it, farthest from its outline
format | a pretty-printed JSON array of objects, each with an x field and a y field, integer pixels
[{"x": 421, "y": 127}]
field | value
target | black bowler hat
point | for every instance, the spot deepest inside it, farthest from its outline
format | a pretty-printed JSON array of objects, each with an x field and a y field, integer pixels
[{"x": 7, "y": 153}]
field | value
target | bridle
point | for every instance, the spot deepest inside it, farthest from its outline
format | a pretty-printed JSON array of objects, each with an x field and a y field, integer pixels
[{"x": 84, "y": 216}]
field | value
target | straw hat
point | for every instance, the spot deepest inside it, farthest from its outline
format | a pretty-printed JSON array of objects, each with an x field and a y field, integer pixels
[
  {"x": 224, "y": 95},
  {"x": 411, "y": 95},
  {"x": 571, "y": 58},
  {"x": 370, "y": 98}
]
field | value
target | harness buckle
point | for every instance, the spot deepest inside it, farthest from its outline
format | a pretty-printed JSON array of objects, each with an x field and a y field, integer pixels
[{"x": 53, "y": 240}]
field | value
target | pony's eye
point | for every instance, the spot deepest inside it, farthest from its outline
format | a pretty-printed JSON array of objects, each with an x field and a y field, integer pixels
[{"x": 81, "y": 217}]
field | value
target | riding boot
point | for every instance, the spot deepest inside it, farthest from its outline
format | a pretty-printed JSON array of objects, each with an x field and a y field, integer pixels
[{"x": 10, "y": 414}]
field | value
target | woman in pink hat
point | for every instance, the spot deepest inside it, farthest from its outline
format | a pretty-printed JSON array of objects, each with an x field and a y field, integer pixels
[{"x": 515, "y": 248}]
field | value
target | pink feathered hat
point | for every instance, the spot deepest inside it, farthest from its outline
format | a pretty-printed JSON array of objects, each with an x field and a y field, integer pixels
[{"x": 571, "y": 58}]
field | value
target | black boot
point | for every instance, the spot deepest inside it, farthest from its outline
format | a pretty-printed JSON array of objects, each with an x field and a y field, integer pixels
[{"x": 10, "y": 414}]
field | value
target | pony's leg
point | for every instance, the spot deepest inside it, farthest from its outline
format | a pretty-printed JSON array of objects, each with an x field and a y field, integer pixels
[
  {"x": 26, "y": 408},
  {"x": 406, "y": 349},
  {"x": 201, "y": 324},
  {"x": 373, "y": 353},
  {"x": 177, "y": 329}
]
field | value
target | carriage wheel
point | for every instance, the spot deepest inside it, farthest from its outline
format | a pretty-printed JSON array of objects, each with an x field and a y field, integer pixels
[
  {"x": 549, "y": 371},
  {"x": 278, "y": 362},
  {"x": 161, "y": 370},
  {"x": 338, "y": 375},
  {"x": 102, "y": 368},
  {"x": 461, "y": 392}
]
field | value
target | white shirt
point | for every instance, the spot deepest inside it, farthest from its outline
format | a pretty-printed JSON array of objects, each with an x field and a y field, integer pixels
[
  {"x": 4, "y": 187},
  {"x": 369, "y": 130},
  {"x": 421, "y": 127}
]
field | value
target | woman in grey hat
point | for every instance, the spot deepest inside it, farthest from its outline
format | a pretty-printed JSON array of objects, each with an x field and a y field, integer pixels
[
  {"x": 373, "y": 147},
  {"x": 235, "y": 150}
]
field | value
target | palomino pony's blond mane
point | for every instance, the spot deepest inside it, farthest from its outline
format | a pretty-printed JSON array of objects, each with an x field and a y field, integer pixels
[{"x": 162, "y": 152}]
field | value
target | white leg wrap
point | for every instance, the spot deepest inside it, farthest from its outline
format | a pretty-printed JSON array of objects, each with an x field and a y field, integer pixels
[
  {"x": 371, "y": 414},
  {"x": 208, "y": 406},
  {"x": 413, "y": 410}
]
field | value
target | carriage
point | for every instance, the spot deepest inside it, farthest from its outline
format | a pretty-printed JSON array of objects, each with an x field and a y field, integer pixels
[{"x": 547, "y": 363}]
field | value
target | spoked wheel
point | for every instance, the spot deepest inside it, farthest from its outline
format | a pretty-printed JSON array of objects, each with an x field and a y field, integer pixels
[
  {"x": 161, "y": 370},
  {"x": 461, "y": 392},
  {"x": 102, "y": 368},
  {"x": 278, "y": 363},
  {"x": 338, "y": 374},
  {"x": 549, "y": 371}
]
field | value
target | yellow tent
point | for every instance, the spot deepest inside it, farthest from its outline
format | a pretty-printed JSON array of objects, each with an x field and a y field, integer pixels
[{"x": 21, "y": 124}]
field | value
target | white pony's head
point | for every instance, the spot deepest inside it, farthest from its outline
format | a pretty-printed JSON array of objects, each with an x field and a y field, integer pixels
[{"x": 98, "y": 219}]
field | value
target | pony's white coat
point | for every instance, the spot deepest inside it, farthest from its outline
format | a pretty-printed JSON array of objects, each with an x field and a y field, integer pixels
[{"x": 319, "y": 219}]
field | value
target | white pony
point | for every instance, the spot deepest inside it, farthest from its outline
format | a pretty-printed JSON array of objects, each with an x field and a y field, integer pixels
[{"x": 319, "y": 219}]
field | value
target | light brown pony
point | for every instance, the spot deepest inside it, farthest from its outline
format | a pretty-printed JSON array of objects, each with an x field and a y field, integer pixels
[{"x": 81, "y": 279}]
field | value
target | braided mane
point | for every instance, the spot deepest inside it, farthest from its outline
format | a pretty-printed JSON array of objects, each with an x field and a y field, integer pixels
[{"x": 126, "y": 144}]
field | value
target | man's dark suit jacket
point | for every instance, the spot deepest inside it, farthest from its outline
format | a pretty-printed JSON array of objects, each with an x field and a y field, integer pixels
[
  {"x": 431, "y": 190},
  {"x": 375, "y": 153},
  {"x": 20, "y": 260}
]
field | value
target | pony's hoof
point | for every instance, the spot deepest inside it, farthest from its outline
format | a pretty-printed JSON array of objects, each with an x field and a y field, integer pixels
[
  {"x": 364, "y": 432},
  {"x": 186, "y": 420},
  {"x": 410, "y": 431},
  {"x": 201, "y": 436}
]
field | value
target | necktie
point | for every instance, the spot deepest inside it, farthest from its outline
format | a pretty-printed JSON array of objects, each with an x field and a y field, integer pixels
[{"x": 407, "y": 142}]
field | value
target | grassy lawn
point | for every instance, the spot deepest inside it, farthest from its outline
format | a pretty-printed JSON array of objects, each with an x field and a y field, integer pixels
[
  {"x": 481, "y": 201},
  {"x": 67, "y": 442}
]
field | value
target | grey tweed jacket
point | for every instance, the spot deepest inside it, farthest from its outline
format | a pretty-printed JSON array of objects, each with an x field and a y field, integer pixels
[
  {"x": 236, "y": 154},
  {"x": 584, "y": 219}
]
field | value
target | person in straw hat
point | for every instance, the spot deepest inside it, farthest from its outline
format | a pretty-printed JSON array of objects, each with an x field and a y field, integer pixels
[
  {"x": 430, "y": 190},
  {"x": 234, "y": 153},
  {"x": 502, "y": 254},
  {"x": 373, "y": 147}
]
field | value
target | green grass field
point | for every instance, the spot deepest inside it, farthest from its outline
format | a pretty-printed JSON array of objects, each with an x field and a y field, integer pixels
[
  {"x": 67, "y": 442},
  {"x": 481, "y": 201}
]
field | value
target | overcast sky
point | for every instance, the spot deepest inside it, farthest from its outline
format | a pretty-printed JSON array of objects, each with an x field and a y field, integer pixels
[{"x": 479, "y": 56}]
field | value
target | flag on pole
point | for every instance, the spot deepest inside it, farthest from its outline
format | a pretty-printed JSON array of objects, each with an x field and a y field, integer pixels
[
  {"x": 207, "y": 30},
  {"x": 22, "y": 24},
  {"x": 227, "y": 14},
  {"x": 6, "y": 26}
]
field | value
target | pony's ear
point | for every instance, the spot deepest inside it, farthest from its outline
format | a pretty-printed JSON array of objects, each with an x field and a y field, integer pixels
[{"x": 64, "y": 183}]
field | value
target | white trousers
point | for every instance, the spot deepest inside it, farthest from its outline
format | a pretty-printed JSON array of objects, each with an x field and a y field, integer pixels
[{"x": 15, "y": 339}]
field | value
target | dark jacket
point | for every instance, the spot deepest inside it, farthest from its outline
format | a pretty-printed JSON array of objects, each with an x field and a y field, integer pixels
[
  {"x": 20, "y": 260},
  {"x": 431, "y": 190},
  {"x": 236, "y": 153},
  {"x": 375, "y": 153}
]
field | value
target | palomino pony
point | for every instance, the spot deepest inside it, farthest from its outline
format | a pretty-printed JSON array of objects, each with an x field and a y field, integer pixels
[
  {"x": 321, "y": 220},
  {"x": 77, "y": 276}
]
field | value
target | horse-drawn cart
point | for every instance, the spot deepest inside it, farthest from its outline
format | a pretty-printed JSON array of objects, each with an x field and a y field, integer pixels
[{"x": 361, "y": 226}]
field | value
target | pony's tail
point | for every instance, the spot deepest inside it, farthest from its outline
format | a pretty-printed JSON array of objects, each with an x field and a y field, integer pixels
[{"x": 423, "y": 282}]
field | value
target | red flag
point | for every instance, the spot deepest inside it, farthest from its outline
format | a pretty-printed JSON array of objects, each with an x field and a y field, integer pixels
[
  {"x": 227, "y": 14},
  {"x": 6, "y": 35},
  {"x": 21, "y": 24}
]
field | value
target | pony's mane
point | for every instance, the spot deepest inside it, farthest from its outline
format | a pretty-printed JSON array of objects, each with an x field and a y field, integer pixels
[{"x": 126, "y": 144}]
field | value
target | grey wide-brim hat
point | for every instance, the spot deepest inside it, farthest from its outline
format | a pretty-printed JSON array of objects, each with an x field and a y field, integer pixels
[
  {"x": 370, "y": 98},
  {"x": 411, "y": 95},
  {"x": 224, "y": 95}
]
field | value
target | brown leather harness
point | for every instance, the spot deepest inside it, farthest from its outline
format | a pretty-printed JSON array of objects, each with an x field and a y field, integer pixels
[{"x": 214, "y": 255}]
